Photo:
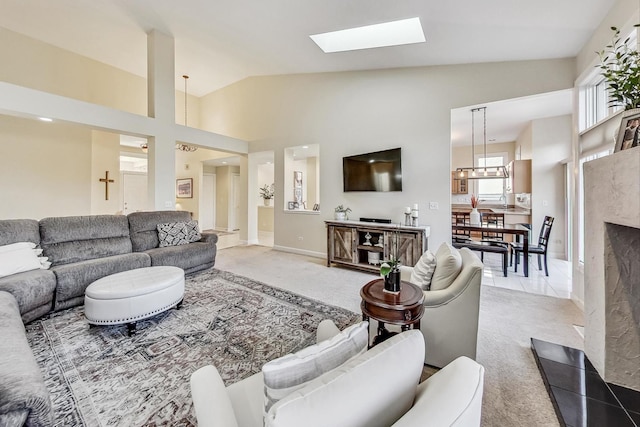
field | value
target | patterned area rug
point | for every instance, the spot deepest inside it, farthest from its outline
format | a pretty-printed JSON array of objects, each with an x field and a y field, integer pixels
[{"x": 100, "y": 376}]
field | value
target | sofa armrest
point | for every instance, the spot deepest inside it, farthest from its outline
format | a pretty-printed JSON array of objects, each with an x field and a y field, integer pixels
[
  {"x": 450, "y": 397},
  {"x": 210, "y": 399},
  {"x": 208, "y": 237}
]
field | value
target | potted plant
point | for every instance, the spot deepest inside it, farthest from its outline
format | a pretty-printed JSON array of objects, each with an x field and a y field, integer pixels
[
  {"x": 341, "y": 213},
  {"x": 620, "y": 65},
  {"x": 266, "y": 192},
  {"x": 390, "y": 270}
]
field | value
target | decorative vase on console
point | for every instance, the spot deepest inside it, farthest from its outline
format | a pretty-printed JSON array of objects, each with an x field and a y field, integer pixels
[{"x": 474, "y": 216}]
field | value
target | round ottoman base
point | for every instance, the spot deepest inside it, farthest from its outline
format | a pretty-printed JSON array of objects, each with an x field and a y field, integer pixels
[{"x": 133, "y": 295}]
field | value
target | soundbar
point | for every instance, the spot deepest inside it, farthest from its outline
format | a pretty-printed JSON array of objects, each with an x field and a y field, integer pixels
[{"x": 379, "y": 220}]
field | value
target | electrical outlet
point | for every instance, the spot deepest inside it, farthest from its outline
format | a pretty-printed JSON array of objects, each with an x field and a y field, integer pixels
[
  {"x": 300, "y": 238},
  {"x": 545, "y": 203},
  {"x": 433, "y": 205},
  {"x": 168, "y": 204}
]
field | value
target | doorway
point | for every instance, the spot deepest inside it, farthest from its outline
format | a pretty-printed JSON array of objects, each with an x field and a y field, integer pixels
[
  {"x": 134, "y": 192},
  {"x": 208, "y": 202}
]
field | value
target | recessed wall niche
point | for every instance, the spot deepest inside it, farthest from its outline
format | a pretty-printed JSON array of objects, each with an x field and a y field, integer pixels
[{"x": 301, "y": 178}]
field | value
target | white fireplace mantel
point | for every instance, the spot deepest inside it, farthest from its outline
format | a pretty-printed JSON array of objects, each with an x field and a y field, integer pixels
[{"x": 611, "y": 303}]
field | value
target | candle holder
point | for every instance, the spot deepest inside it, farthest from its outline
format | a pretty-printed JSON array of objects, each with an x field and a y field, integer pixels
[{"x": 407, "y": 219}]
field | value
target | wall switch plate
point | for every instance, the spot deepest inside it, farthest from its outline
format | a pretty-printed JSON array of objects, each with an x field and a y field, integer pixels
[
  {"x": 433, "y": 205},
  {"x": 545, "y": 203},
  {"x": 168, "y": 204}
]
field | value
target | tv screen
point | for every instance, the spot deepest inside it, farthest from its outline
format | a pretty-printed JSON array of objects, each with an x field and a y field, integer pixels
[{"x": 379, "y": 171}]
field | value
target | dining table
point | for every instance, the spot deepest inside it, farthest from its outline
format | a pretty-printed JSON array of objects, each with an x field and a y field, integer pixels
[{"x": 513, "y": 229}]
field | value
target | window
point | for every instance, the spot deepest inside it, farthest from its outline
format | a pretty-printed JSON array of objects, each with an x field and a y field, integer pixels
[
  {"x": 491, "y": 189},
  {"x": 593, "y": 102}
]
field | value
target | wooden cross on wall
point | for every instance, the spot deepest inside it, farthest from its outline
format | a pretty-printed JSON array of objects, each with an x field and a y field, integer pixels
[{"x": 106, "y": 181}]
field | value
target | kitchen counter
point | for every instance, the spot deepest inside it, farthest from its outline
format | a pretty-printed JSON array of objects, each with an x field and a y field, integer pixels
[{"x": 510, "y": 210}]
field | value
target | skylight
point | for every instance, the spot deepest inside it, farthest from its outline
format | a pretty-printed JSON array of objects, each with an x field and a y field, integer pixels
[{"x": 395, "y": 33}]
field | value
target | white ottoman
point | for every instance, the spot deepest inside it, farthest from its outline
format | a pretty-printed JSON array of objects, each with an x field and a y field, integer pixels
[{"x": 133, "y": 295}]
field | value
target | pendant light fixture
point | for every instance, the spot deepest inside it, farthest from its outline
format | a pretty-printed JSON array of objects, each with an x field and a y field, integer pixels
[
  {"x": 180, "y": 146},
  {"x": 478, "y": 172}
]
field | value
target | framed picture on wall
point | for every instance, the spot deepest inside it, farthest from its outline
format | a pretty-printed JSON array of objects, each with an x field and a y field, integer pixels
[
  {"x": 184, "y": 188},
  {"x": 629, "y": 133}
]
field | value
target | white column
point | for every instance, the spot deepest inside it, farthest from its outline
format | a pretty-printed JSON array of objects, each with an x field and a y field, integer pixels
[{"x": 161, "y": 105}]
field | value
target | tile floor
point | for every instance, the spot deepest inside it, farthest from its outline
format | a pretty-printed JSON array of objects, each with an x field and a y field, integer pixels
[
  {"x": 579, "y": 395},
  {"x": 558, "y": 284}
]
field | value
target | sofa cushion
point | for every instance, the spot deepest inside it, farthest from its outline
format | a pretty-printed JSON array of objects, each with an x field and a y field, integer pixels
[
  {"x": 19, "y": 230},
  {"x": 190, "y": 258},
  {"x": 33, "y": 290},
  {"x": 72, "y": 239},
  {"x": 448, "y": 266},
  {"x": 423, "y": 270},
  {"x": 18, "y": 258},
  {"x": 73, "y": 279},
  {"x": 289, "y": 373},
  {"x": 23, "y": 395},
  {"x": 373, "y": 389},
  {"x": 143, "y": 227},
  {"x": 172, "y": 234}
]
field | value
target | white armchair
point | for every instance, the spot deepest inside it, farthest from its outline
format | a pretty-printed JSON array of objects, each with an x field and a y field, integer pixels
[
  {"x": 450, "y": 321},
  {"x": 377, "y": 388}
]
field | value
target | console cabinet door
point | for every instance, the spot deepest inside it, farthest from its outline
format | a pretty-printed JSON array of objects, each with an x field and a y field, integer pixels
[
  {"x": 410, "y": 247},
  {"x": 342, "y": 244}
]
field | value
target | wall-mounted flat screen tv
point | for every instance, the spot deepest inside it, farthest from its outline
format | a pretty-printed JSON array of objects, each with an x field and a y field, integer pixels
[{"x": 379, "y": 171}]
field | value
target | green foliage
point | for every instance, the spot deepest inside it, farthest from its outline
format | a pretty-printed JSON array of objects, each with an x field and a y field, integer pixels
[
  {"x": 266, "y": 192},
  {"x": 620, "y": 67}
]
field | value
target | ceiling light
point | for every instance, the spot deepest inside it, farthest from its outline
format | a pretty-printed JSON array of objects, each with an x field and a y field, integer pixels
[
  {"x": 395, "y": 33},
  {"x": 45, "y": 119},
  {"x": 491, "y": 171}
]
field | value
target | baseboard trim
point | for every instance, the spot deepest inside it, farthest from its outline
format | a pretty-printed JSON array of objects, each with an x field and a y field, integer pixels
[{"x": 300, "y": 251}]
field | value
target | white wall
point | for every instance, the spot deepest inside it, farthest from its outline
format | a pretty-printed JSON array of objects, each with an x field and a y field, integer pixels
[
  {"x": 105, "y": 156},
  {"x": 44, "y": 169},
  {"x": 355, "y": 112},
  {"x": 551, "y": 146}
]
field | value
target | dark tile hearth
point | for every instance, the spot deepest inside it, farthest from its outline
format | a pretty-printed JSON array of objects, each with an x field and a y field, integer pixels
[{"x": 580, "y": 397}]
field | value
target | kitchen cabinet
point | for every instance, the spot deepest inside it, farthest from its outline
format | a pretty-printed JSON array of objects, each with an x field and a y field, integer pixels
[
  {"x": 459, "y": 185},
  {"x": 519, "y": 180},
  {"x": 364, "y": 245}
]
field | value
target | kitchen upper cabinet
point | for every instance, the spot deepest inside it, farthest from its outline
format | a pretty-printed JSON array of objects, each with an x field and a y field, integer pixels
[
  {"x": 519, "y": 180},
  {"x": 458, "y": 185}
]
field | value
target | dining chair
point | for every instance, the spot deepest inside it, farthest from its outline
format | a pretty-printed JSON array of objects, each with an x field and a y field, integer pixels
[
  {"x": 540, "y": 249},
  {"x": 460, "y": 218}
]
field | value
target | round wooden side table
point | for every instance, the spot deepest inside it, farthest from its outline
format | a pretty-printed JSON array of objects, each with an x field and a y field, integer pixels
[{"x": 404, "y": 308}]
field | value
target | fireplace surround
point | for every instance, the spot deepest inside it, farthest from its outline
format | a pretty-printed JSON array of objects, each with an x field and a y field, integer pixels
[{"x": 612, "y": 266}]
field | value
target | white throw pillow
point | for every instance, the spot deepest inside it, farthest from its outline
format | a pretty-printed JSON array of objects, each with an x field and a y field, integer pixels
[
  {"x": 423, "y": 270},
  {"x": 18, "y": 259},
  {"x": 17, "y": 246},
  {"x": 448, "y": 266},
  {"x": 289, "y": 373}
]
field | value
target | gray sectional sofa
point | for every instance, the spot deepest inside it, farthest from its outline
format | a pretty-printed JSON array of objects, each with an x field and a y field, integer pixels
[{"x": 81, "y": 249}]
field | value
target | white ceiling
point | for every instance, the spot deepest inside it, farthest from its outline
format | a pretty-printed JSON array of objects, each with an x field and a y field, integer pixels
[
  {"x": 221, "y": 42},
  {"x": 506, "y": 119}
]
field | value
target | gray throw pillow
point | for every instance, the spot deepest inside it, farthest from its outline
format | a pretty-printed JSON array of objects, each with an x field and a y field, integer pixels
[
  {"x": 172, "y": 234},
  {"x": 193, "y": 231}
]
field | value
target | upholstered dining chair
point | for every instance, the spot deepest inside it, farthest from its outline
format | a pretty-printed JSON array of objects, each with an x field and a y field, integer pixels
[{"x": 540, "y": 249}]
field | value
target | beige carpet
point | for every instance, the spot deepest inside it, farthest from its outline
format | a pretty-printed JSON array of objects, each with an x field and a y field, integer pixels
[{"x": 514, "y": 392}]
